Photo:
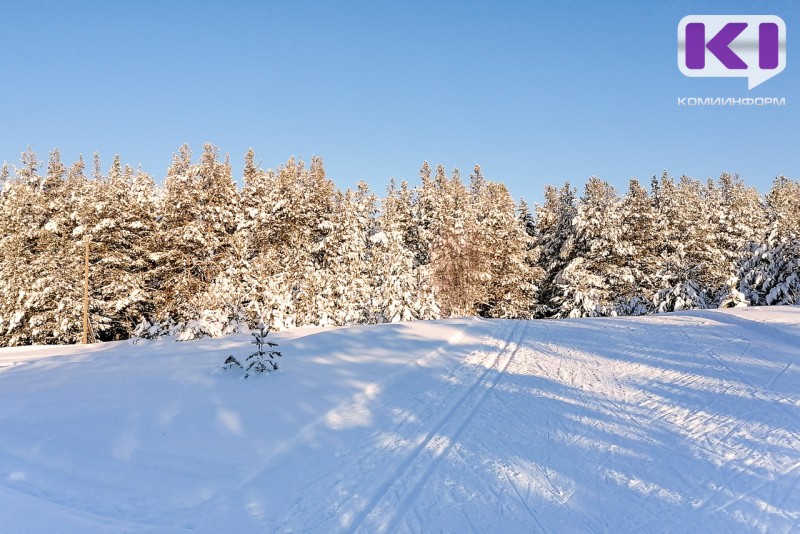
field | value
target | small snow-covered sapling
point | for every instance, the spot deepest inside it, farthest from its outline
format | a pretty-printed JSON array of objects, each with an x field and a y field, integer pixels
[
  {"x": 263, "y": 359},
  {"x": 230, "y": 361}
]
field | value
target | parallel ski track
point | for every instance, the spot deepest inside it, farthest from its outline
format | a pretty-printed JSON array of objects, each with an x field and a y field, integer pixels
[{"x": 389, "y": 504}]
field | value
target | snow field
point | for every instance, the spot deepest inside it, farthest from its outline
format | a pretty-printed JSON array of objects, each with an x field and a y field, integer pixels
[{"x": 678, "y": 422}]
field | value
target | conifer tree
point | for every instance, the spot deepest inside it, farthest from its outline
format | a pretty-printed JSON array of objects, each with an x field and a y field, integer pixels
[
  {"x": 500, "y": 246},
  {"x": 426, "y": 215},
  {"x": 118, "y": 217},
  {"x": 686, "y": 279},
  {"x": 288, "y": 225},
  {"x": 783, "y": 209},
  {"x": 22, "y": 217},
  {"x": 198, "y": 218},
  {"x": 402, "y": 286},
  {"x": 595, "y": 274},
  {"x": 532, "y": 257},
  {"x": 198, "y": 257},
  {"x": 555, "y": 221},
  {"x": 42, "y": 266},
  {"x": 515, "y": 288},
  {"x": 770, "y": 273},
  {"x": 347, "y": 295},
  {"x": 738, "y": 221},
  {"x": 643, "y": 243},
  {"x": 456, "y": 262}
]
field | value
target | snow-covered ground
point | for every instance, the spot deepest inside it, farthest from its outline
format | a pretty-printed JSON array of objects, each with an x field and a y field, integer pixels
[{"x": 681, "y": 422}]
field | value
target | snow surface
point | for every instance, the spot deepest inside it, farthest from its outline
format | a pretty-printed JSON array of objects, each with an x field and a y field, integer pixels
[{"x": 684, "y": 422}]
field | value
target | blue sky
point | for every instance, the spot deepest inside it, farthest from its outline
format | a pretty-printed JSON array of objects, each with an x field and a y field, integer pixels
[{"x": 536, "y": 92}]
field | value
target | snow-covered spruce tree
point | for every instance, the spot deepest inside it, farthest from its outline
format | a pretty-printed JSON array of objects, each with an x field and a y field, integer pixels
[
  {"x": 42, "y": 263},
  {"x": 348, "y": 262},
  {"x": 401, "y": 287},
  {"x": 425, "y": 214},
  {"x": 738, "y": 220},
  {"x": 687, "y": 278},
  {"x": 555, "y": 221},
  {"x": 642, "y": 245},
  {"x": 222, "y": 307},
  {"x": 198, "y": 214},
  {"x": 266, "y": 288},
  {"x": 783, "y": 209},
  {"x": 502, "y": 248},
  {"x": 287, "y": 222},
  {"x": 596, "y": 274},
  {"x": 526, "y": 218},
  {"x": 18, "y": 209},
  {"x": 118, "y": 217},
  {"x": 681, "y": 274},
  {"x": 23, "y": 214},
  {"x": 732, "y": 297},
  {"x": 770, "y": 273},
  {"x": 263, "y": 359},
  {"x": 62, "y": 210},
  {"x": 398, "y": 213},
  {"x": 457, "y": 265},
  {"x": 533, "y": 271},
  {"x": 309, "y": 218}
]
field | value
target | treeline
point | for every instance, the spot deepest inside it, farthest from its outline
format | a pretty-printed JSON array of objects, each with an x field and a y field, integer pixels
[{"x": 200, "y": 256}]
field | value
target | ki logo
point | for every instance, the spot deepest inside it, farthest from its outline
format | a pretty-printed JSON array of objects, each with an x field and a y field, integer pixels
[{"x": 732, "y": 46}]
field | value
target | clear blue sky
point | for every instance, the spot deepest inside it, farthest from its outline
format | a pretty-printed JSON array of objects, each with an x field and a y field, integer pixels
[{"x": 536, "y": 92}]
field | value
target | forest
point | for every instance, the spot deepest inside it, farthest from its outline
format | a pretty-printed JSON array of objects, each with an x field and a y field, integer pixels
[{"x": 196, "y": 254}]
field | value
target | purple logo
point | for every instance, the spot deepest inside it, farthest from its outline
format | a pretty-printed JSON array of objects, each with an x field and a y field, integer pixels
[{"x": 742, "y": 46}]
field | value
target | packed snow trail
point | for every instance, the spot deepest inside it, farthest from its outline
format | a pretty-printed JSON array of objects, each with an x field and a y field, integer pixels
[
  {"x": 397, "y": 495},
  {"x": 673, "y": 423},
  {"x": 653, "y": 434}
]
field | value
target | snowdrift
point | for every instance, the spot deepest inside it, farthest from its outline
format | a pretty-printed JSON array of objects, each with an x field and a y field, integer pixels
[{"x": 680, "y": 422}]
